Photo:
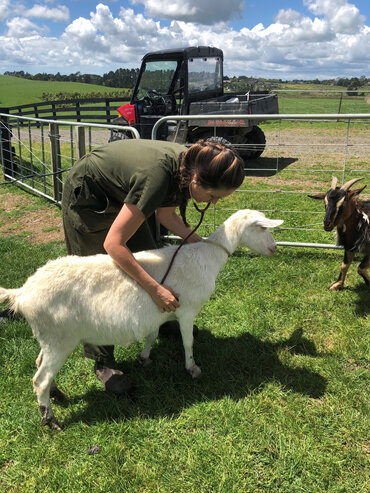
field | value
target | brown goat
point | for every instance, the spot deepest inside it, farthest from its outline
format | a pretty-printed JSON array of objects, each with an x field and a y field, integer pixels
[{"x": 351, "y": 217}]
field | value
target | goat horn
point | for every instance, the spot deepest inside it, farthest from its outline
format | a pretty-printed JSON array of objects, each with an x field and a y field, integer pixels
[
  {"x": 348, "y": 185},
  {"x": 334, "y": 183}
]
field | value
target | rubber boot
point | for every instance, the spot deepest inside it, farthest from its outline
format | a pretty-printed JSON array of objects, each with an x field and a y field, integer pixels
[{"x": 114, "y": 381}]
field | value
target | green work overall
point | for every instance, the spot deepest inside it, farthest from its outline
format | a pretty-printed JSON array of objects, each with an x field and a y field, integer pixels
[{"x": 139, "y": 172}]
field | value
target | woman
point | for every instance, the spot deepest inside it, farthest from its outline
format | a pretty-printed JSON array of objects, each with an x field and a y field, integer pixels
[{"x": 110, "y": 196}]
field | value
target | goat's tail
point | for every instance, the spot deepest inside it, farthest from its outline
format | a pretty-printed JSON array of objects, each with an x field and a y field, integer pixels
[{"x": 9, "y": 296}]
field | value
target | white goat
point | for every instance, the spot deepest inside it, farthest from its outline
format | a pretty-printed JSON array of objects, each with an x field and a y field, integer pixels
[{"x": 75, "y": 300}]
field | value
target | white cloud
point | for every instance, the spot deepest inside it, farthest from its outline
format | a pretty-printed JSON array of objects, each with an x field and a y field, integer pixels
[
  {"x": 343, "y": 17},
  {"x": 288, "y": 16},
  {"x": 4, "y": 9},
  {"x": 198, "y": 11},
  {"x": 81, "y": 36},
  {"x": 293, "y": 46},
  {"x": 19, "y": 27},
  {"x": 57, "y": 14}
]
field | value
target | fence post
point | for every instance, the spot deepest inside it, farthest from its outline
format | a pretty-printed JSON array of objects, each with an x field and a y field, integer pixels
[
  {"x": 35, "y": 109},
  {"x": 78, "y": 113},
  {"x": 340, "y": 102},
  {"x": 81, "y": 142},
  {"x": 107, "y": 110},
  {"x": 10, "y": 167},
  {"x": 55, "y": 161}
]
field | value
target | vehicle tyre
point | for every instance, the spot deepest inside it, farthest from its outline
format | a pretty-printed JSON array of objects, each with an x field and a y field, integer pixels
[
  {"x": 117, "y": 135},
  {"x": 256, "y": 141},
  {"x": 219, "y": 140}
]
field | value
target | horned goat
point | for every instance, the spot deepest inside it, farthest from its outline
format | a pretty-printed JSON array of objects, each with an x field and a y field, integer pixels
[
  {"x": 74, "y": 300},
  {"x": 351, "y": 217}
]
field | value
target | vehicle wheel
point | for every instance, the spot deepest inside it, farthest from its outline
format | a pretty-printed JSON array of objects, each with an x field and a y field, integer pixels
[
  {"x": 117, "y": 135},
  {"x": 256, "y": 141},
  {"x": 219, "y": 140}
]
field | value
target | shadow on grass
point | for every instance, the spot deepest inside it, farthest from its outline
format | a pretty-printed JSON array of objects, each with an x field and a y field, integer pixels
[
  {"x": 363, "y": 297},
  {"x": 234, "y": 367},
  {"x": 266, "y": 166}
]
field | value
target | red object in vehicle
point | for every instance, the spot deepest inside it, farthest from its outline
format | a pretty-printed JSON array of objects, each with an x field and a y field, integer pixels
[{"x": 128, "y": 112}]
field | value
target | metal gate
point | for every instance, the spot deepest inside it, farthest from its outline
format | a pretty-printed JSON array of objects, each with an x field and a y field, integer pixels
[
  {"x": 302, "y": 152},
  {"x": 37, "y": 153}
]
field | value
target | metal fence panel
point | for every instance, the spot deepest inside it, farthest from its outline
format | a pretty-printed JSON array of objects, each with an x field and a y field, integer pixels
[
  {"x": 37, "y": 157},
  {"x": 302, "y": 152}
]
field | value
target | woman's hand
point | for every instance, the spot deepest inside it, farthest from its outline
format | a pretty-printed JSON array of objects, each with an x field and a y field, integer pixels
[
  {"x": 165, "y": 298},
  {"x": 125, "y": 225}
]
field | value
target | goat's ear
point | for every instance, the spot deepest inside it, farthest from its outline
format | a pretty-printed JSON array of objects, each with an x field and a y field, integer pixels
[
  {"x": 268, "y": 223},
  {"x": 318, "y": 196},
  {"x": 357, "y": 191}
]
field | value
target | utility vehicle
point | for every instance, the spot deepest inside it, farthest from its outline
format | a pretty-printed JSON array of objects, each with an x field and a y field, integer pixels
[{"x": 189, "y": 81}]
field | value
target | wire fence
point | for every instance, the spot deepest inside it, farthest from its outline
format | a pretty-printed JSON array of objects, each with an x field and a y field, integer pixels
[
  {"x": 37, "y": 157},
  {"x": 302, "y": 100},
  {"x": 302, "y": 152}
]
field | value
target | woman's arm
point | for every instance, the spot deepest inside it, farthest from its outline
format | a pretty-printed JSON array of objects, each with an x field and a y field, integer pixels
[
  {"x": 127, "y": 222},
  {"x": 170, "y": 220}
]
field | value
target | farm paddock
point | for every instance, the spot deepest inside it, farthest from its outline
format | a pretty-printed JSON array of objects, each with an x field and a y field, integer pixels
[{"x": 283, "y": 402}]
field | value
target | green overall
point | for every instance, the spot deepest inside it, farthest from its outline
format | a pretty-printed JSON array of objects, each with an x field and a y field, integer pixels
[{"x": 140, "y": 172}]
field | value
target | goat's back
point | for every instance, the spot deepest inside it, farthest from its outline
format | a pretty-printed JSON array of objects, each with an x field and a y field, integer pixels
[{"x": 75, "y": 293}]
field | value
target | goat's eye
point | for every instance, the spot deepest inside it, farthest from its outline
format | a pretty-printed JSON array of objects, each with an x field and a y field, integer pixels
[{"x": 263, "y": 228}]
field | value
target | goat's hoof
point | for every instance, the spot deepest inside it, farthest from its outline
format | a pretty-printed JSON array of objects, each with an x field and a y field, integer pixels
[
  {"x": 145, "y": 361},
  {"x": 195, "y": 371},
  {"x": 335, "y": 286},
  {"x": 52, "y": 423}
]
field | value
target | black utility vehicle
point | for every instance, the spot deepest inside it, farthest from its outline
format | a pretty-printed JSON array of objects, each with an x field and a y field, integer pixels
[{"x": 189, "y": 81}]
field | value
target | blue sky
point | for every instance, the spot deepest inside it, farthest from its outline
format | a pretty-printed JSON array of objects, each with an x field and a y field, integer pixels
[{"x": 303, "y": 39}]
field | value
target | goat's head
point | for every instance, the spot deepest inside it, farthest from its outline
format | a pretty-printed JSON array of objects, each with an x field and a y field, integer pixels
[
  {"x": 339, "y": 202},
  {"x": 256, "y": 235}
]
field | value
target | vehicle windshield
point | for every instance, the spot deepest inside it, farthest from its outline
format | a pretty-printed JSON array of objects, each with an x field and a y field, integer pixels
[
  {"x": 204, "y": 74},
  {"x": 157, "y": 76}
]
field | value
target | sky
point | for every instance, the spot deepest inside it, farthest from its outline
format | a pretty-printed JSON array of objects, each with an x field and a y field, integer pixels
[{"x": 285, "y": 39}]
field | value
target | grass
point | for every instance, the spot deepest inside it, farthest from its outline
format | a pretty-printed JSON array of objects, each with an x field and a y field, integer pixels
[
  {"x": 322, "y": 105},
  {"x": 282, "y": 404},
  {"x": 16, "y": 91}
]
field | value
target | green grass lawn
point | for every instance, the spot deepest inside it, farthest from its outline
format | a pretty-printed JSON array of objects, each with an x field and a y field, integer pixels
[
  {"x": 314, "y": 105},
  {"x": 16, "y": 91},
  {"x": 282, "y": 404}
]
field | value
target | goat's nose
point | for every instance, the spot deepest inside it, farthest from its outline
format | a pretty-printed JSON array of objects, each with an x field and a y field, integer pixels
[
  {"x": 273, "y": 249},
  {"x": 327, "y": 225}
]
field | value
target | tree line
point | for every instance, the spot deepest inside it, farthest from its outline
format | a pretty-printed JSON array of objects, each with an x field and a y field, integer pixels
[
  {"x": 122, "y": 77},
  {"x": 126, "y": 78},
  {"x": 241, "y": 83}
]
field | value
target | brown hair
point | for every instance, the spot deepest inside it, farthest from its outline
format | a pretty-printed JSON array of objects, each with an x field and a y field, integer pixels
[{"x": 216, "y": 166}]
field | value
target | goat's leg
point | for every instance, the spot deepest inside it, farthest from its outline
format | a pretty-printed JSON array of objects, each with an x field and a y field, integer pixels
[
  {"x": 347, "y": 260},
  {"x": 39, "y": 359},
  {"x": 186, "y": 327},
  {"x": 50, "y": 363},
  {"x": 144, "y": 355},
  {"x": 55, "y": 393},
  {"x": 362, "y": 268}
]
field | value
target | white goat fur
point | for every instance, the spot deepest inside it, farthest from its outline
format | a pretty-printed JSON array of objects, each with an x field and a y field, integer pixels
[{"x": 75, "y": 300}]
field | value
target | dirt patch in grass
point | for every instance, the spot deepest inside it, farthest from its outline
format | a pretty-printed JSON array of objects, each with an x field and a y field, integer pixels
[{"x": 22, "y": 215}]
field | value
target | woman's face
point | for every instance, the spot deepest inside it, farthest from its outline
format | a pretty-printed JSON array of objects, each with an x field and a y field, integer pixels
[{"x": 213, "y": 195}]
